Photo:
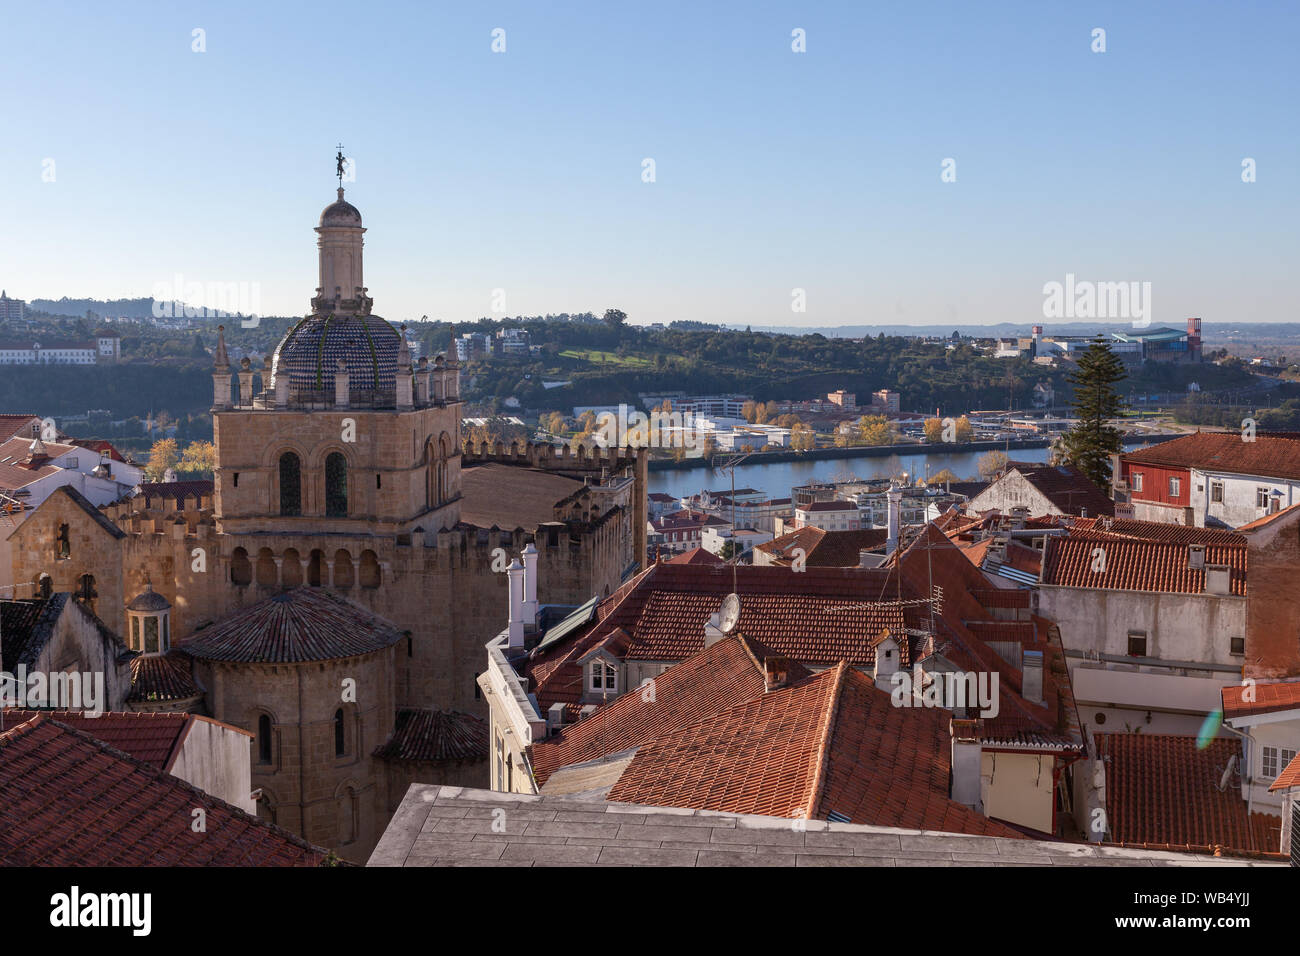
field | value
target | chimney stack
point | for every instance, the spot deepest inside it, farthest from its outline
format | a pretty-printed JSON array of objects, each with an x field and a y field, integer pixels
[
  {"x": 886, "y": 664},
  {"x": 966, "y": 759},
  {"x": 515, "y": 576},
  {"x": 1031, "y": 676},
  {"x": 530, "y": 585},
  {"x": 776, "y": 673},
  {"x": 895, "y": 496}
]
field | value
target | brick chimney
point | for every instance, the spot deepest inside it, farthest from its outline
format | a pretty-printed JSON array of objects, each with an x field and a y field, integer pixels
[{"x": 776, "y": 673}]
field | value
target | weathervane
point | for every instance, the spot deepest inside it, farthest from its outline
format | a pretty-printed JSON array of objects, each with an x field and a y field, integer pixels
[{"x": 339, "y": 161}]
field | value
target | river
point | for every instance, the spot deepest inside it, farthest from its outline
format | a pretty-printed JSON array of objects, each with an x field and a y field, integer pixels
[{"x": 777, "y": 478}]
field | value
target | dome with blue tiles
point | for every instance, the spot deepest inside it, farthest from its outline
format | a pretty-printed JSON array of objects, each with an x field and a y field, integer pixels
[{"x": 311, "y": 351}]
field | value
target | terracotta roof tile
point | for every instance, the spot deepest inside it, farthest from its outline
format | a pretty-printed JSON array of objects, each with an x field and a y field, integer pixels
[
  {"x": 162, "y": 677},
  {"x": 713, "y": 680},
  {"x": 1165, "y": 789},
  {"x": 67, "y": 799},
  {"x": 697, "y": 556},
  {"x": 825, "y": 549},
  {"x": 1289, "y": 777},
  {"x": 1268, "y": 456},
  {"x": 828, "y": 743},
  {"x": 1269, "y": 697},
  {"x": 153, "y": 738},
  {"x": 1137, "y": 565},
  {"x": 303, "y": 624},
  {"x": 435, "y": 735}
]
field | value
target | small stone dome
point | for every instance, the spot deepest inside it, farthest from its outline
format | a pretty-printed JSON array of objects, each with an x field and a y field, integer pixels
[
  {"x": 149, "y": 600},
  {"x": 340, "y": 213}
]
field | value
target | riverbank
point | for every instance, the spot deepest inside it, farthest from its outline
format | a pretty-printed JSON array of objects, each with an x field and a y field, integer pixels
[{"x": 878, "y": 451}]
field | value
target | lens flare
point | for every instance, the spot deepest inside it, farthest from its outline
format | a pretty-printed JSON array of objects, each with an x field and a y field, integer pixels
[{"x": 1209, "y": 729}]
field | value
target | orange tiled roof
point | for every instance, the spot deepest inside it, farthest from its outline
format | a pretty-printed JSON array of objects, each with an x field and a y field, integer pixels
[
  {"x": 1137, "y": 565},
  {"x": 727, "y": 673},
  {"x": 825, "y": 549},
  {"x": 1152, "y": 531},
  {"x": 67, "y": 799},
  {"x": 828, "y": 743},
  {"x": 1289, "y": 777},
  {"x": 697, "y": 556},
  {"x": 1282, "y": 695},
  {"x": 1165, "y": 789},
  {"x": 1268, "y": 456},
  {"x": 153, "y": 738},
  {"x": 1268, "y": 519}
]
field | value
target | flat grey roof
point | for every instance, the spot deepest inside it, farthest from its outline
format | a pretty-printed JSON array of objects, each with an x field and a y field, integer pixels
[{"x": 454, "y": 826}]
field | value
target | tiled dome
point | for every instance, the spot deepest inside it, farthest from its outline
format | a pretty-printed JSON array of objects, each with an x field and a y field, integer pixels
[{"x": 310, "y": 352}]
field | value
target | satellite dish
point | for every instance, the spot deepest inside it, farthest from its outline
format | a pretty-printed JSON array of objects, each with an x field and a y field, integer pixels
[{"x": 729, "y": 615}]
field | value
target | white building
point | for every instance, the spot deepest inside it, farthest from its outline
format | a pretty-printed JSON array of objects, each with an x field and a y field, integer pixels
[
  {"x": 828, "y": 515},
  {"x": 1152, "y": 627}
]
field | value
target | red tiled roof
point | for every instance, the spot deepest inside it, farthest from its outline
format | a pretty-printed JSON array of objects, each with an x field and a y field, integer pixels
[
  {"x": 1268, "y": 456},
  {"x": 697, "y": 556},
  {"x": 153, "y": 738},
  {"x": 303, "y": 624},
  {"x": 10, "y": 425},
  {"x": 1289, "y": 777},
  {"x": 1153, "y": 531},
  {"x": 1165, "y": 789},
  {"x": 718, "y": 677},
  {"x": 828, "y": 743},
  {"x": 435, "y": 735},
  {"x": 1283, "y": 695},
  {"x": 1137, "y": 565},
  {"x": 825, "y": 549},
  {"x": 1268, "y": 519},
  {"x": 1065, "y": 487},
  {"x": 1001, "y": 597},
  {"x": 67, "y": 799},
  {"x": 829, "y": 506},
  {"x": 162, "y": 677}
]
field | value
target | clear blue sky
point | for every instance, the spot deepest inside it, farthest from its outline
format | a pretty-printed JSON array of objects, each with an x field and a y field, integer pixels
[{"x": 775, "y": 170}]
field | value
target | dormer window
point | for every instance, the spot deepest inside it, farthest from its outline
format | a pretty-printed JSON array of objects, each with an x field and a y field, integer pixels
[{"x": 603, "y": 676}]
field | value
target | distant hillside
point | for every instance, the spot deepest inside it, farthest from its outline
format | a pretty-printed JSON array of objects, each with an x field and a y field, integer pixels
[{"x": 131, "y": 308}]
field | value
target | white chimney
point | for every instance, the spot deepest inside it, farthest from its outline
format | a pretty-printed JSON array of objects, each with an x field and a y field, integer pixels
[
  {"x": 530, "y": 585},
  {"x": 966, "y": 763},
  {"x": 1031, "y": 676},
  {"x": 515, "y": 576},
  {"x": 886, "y": 664},
  {"x": 895, "y": 496},
  {"x": 712, "y": 633}
]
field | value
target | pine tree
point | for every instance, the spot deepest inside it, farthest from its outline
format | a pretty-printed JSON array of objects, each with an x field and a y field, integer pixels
[{"x": 1090, "y": 443}]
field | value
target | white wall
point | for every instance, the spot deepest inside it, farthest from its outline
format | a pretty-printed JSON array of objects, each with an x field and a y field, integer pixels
[{"x": 1239, "y": 496}]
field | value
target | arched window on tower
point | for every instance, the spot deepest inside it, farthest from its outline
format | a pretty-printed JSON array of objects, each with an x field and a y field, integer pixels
[
  {"x": 443, "y": 454},
  {"x": 45, "y": 586},
  {"x": 63, "y": 544},
  {"x": 264, "y": 739},
  {"x": 290, "y": 485},
  {"x": 336, "y": 486},
  {"x": 241, "y": 569},
  {"x": 86, "y": 592},
  {"x": 430, "y": 475},
  {"x": 340, "y": 747}
]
